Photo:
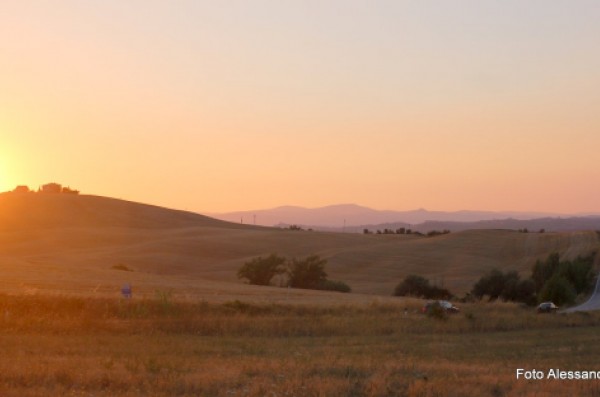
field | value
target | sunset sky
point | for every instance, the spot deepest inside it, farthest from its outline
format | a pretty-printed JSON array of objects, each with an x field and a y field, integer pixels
[{"x": 231, "y": 105}]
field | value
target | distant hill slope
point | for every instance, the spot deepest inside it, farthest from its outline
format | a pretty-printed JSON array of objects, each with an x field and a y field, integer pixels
[
  {"x": 27, "y": 210},
  {"x": 355, "y": 215},
  {"x": 60, "y": 243}
]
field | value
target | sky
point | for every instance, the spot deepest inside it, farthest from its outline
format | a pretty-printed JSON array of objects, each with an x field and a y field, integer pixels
[{"x": 215, "y": 106}]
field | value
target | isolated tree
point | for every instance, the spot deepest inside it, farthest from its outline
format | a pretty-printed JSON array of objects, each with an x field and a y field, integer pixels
[
  {"x": 260, "y": 271},
  {"x": 308, "y": 273}
]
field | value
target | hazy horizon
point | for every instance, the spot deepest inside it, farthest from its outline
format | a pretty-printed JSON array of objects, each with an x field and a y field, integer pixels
[
  {"x": 33, "y": 189},
  {"x": 217, "y": 107}
]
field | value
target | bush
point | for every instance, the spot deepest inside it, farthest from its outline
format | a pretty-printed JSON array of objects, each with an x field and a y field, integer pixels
[
  {"x": 507, "y": 286},
  {"x": 412, "y": 285},
  {"x": 543, "y": 271},
  {"x": 307, "y": 273},
  {"x": 420, "y": 287},
  {"x": 333, "y": 285},
  {"x": 260, "y": 271},
  {"x": 558, "y": 290}
]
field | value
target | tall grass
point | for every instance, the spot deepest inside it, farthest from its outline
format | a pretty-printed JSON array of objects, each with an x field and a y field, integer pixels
[
  {"x": 24, "y": 313},
  {"x": 76, "y": 346}
]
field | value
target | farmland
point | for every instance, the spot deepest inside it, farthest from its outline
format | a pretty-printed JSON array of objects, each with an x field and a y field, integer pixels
[{"x": 89, "y": 346}]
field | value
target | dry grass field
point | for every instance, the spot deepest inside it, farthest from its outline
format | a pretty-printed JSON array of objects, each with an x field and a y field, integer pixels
[
  {"x": 193, "y": 329},
  {"x": 72, "y": 244},
  {"x": 74, "y": 346}
]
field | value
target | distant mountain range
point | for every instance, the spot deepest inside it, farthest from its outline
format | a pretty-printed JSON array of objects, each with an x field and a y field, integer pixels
[{"x": 355, "y": 218}]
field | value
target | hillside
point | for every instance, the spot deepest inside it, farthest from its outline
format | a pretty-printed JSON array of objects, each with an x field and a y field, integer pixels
[
  {"x": 64, "y": 244},
  {"x": 31, "y": 210}
]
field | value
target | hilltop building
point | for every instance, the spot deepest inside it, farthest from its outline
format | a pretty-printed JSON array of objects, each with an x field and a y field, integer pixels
[{"x": 51, "y": 188}]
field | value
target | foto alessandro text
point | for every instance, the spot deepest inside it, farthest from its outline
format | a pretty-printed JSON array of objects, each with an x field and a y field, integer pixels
[{"x": 556, "y": 373}]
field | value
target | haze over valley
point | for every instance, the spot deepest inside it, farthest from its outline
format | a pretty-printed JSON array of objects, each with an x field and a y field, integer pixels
[{"x": 355, "y": 218}]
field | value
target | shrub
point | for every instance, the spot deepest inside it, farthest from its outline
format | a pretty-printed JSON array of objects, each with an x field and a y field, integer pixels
[
  {"x": 333, "y": 285},
  {"x": 420, "y": 287},
  {"x": 558, "y": 290},
  {"x": 307, "y": 273},
  {"x": 260, "y": 271},
  {"x": 543, "y": 271},
  {"x": 412, "y": 285},
  {"x": 507, "y": 286}
]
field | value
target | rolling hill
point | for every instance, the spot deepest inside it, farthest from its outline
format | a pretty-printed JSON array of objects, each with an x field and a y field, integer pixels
[{"x": 58, "y": 243}]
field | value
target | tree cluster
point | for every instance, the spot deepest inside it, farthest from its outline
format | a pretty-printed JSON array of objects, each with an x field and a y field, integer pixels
[
  {"x": 401, "y": 230},
  {"x": 551, "y": 280},
  {"x": 404, "y": 230},
  {"x": 507, "y": 286},
  {"x": 433, "y": 233},
  {"x": 562, "y": 281},
  {"x": 525, "y": 230},
  {"x": 307, "y": 273},
  {"x": 420, "y": 287}
]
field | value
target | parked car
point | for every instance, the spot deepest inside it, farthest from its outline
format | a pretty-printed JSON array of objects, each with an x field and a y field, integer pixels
[
  {"x": 547, "y": 307},
  {"x": 444, "y": 305}
]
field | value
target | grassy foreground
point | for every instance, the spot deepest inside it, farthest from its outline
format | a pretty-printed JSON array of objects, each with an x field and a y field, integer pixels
[{"x": 76, "y": 346}]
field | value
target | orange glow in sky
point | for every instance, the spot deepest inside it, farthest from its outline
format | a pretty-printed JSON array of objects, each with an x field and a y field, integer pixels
[{"x": 215, "y": 106}]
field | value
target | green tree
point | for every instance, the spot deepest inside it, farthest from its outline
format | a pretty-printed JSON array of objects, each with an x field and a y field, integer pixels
[
  {"x": 543, "y": 271},
  {"x": 579, "y": 273},
  {"x": 510, "y": 288},
  {"x": 308, "y": 273},
  {"x": 418, "y": 286},
  {"x": 525, "y": 292},
  {"x": 260, "y": 271},
  {"x": 558, "y": 290},
  {"x": 491, "y": 285}
]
